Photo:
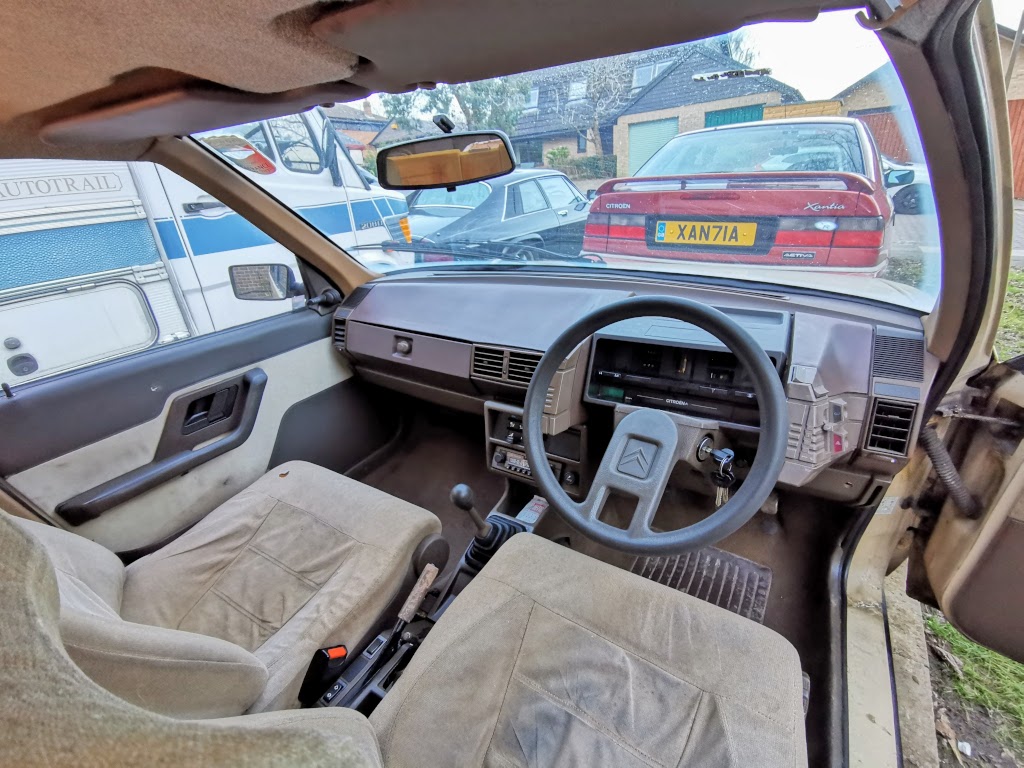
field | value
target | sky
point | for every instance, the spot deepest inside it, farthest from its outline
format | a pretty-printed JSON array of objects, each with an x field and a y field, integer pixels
[{"x": 823, "y": 57}]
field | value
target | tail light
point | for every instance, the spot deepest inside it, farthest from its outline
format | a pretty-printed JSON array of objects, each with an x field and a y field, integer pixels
[
  {"x": 860, "y": 232},
  {"x": 837, "y": 232},
  {"x": 406, "y": 229},
  {"x": 622, "y": 226}
]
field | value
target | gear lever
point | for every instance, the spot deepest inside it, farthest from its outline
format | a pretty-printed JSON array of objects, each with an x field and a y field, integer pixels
[
  {"x": 490, "y": 533},
  {"x": 462, "y": 497}
]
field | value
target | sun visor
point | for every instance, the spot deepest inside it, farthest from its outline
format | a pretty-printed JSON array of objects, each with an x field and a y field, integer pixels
[
  {"x": 412, "y": 42},
  {"x": 183, "y": 110}
]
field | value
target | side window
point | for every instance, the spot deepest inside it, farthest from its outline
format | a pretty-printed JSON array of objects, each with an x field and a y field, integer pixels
[
  {"x": 295, "y": 144},
  {"x": 531, "y": 198},
  {"x": 559, "y": 192},
  {"x": 99, "y": 260}
]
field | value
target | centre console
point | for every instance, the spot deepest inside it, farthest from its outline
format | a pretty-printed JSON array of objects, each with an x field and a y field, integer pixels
[{"x": 566, "y": 451}]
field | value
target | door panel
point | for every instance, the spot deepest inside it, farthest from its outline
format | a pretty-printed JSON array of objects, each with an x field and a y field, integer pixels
[
  {"x": 53, "y": 417},
  {"x": 974, "y": 564},
  {"x": 118, "y": 420}
]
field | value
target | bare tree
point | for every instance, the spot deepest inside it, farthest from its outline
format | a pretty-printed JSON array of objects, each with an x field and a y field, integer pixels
[
  {"x": 485, "y": 104},
  {"x": 606, "y": 90},
  {"x": 739, "y": 46}
]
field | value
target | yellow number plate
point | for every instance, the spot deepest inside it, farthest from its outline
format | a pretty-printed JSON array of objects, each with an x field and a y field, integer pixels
[{"x": 729, "y": 234}]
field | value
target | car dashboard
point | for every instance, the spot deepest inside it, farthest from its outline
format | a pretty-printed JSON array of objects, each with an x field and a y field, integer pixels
[{"x": 854, "y": 374}]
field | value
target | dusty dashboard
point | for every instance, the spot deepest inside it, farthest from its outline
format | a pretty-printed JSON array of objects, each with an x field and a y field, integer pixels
[{"x": 854, "y": 379}]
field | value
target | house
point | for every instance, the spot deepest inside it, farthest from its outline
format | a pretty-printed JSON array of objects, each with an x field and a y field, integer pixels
[
  {"x": 640, "y": 101},
  {"x": 392, "y": 133},
  {"x": 1015, "y": 105},
  {"x": 560, "y": 113},
  {"x": 701, "y": 88},
  {"x": 878, "y": 100},
  {"x": 359, "y": 125}
]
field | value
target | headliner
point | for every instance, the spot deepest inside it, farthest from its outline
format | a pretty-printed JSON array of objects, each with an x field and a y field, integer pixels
[{"x": 101, "y": 78}]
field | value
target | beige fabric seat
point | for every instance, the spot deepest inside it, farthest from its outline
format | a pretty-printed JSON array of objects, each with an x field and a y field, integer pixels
[
  {"x": 552, "y": 658},
  {"x": 225, "y": 619}
]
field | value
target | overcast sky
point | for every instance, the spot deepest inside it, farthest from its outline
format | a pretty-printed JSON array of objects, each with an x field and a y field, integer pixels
[{"x": 824, "y": 56}]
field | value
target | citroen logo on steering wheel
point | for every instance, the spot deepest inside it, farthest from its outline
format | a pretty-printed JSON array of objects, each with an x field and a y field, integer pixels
[{"x": 636, "y": 458}]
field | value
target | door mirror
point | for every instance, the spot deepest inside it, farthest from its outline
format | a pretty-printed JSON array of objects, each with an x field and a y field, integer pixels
[
  {"x": 591, "y": 194},
  {"x": 898, "y": 177},
  {"x": 445, "y": 161},
  {"x": 264, "y": 282}
]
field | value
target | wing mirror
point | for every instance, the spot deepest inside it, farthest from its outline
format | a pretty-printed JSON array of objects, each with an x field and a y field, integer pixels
[
  {"x": 264, "y": 282},
  {"x": 898, "y": 177},
  {"x": 445, "y": 161}
]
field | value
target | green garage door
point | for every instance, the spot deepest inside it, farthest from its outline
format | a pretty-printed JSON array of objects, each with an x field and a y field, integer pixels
[
  {"x": 647, "y": 138},
  {"x": 748, "y": 114}
]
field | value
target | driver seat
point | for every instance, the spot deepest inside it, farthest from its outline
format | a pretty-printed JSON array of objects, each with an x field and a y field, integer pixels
[{"x": 550, "y": 657}]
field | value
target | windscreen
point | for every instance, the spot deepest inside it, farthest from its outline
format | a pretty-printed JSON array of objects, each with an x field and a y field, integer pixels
[{"x": 780, "y": 155}]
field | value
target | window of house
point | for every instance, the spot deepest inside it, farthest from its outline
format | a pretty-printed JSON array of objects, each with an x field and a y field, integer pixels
[
  {"x": 532, "y": 98},
  {"x": 581, "y": 143},
  {"x": 296, "y": 145},
  {"x": 578, "y": 90},
  {"x": 644, "y": 74}
]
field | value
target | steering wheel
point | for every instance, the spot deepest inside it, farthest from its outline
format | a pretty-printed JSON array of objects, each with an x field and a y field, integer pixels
[{"x": 647, "y": 443}]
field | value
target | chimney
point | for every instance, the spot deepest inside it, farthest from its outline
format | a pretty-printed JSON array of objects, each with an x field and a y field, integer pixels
[{"x": 367, "y": 110}]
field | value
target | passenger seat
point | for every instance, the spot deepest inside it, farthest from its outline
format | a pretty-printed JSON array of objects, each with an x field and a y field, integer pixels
[{"x": 225, "y": 619}]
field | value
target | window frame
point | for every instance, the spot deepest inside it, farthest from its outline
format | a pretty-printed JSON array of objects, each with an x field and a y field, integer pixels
[
  {"x": 555, "y": 178},
  {"x": 312, "y": 138},
  {"x": 511, "y": 193}
]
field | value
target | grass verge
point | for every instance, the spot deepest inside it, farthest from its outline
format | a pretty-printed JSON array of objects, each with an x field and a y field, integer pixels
[
  {"x": 987, "y": 680},
  {"x": 1010, "y": 337}
]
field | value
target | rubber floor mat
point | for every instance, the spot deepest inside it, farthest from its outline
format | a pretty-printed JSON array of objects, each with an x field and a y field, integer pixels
[{"x": 721, "y": 578}]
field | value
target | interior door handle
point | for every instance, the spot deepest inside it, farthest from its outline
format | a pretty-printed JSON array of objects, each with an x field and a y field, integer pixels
[{"x": 209, "y": 409}]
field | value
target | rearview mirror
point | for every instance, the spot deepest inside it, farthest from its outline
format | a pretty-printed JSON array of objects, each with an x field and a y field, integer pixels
[
  {"x": 445, "y": 161},
  {"x": 898, "y": 177},
  {"x": 264, "y": 282}
]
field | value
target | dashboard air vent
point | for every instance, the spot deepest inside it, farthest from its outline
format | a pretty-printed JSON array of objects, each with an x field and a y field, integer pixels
[
  {"x": 340, "y": 329},
  {"x": 898, "y": 355},
  {"x": 510, "y": 366},
  {"x": 521, "y": 367},
  {"x": 489, "y": 363},
  {"x": 890, "y": 427}
]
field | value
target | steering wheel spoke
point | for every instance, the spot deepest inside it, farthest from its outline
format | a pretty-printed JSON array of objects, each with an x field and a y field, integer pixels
[{"x": 637, "y": 463}]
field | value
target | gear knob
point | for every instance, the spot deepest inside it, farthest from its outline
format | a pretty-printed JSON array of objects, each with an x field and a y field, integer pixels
[{"x": 462, "y": 497}]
